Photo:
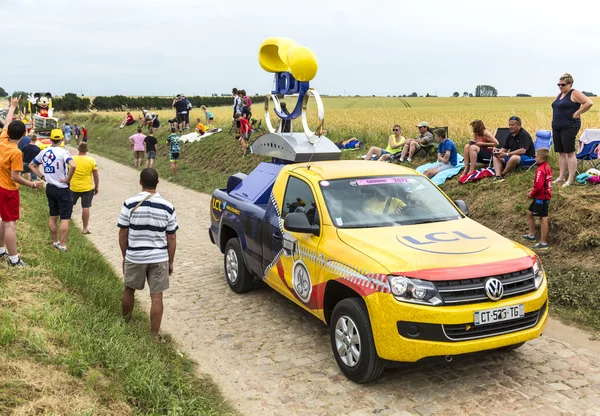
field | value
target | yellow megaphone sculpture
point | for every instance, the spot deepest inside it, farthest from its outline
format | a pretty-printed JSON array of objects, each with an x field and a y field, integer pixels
[{"x": 294, "y": 66}]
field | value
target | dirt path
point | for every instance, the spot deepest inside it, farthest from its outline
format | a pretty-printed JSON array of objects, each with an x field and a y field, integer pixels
[{"x": 271, "y": 358}]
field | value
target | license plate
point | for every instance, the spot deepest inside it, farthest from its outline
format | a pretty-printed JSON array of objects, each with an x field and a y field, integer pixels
[{"x": 507, "y": 313}]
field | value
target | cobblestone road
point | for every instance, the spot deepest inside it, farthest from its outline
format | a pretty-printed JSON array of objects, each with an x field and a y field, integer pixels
[{"x": 271, "y": 358}]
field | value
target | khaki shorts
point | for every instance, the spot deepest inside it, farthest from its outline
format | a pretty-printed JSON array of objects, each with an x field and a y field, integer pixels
[{"x": 157, "y": 275}]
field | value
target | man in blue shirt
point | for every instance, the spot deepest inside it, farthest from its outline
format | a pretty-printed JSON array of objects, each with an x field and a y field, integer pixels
[{"x": 447, "y": 154}]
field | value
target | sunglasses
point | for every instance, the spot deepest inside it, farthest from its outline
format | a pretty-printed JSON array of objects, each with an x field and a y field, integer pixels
[
  {"x": 395, "y": 129},
  {"x": 562, "y": 84}
]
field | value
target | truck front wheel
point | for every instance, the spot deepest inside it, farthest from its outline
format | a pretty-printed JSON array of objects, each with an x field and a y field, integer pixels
[
  {"x": 352, "y": 341},
  {"x": 237, "y": 275}
]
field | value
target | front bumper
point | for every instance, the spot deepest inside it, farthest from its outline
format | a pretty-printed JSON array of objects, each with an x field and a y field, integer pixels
[{"x": 439, "y": 326}]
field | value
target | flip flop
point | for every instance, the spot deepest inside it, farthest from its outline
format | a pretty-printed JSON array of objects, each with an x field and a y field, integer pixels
[{"x": 88, "y": 232}]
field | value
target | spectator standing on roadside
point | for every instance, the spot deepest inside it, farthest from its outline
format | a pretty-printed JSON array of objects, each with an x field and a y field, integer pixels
[
  {"x": 84, "y": 133},
  {"x": 237, "y": 102},
  {"x": 150, "y": 143},
  {"x": 11, "y": 165},
  {"x": 180, "y": 111},
  {"x": 136, "y": 142},
  {"x": 541, "y": 195},
  {"x": 246, "y": 113},
  {"x": 67, "y": 130},
  {"x": 24, "y": 142},
  {"x": 567, "y": 109},
  {"x": 82, "y": 185},
  {"x": 188, "y": 107},
  {"x": 55, "y": 160},
  {"x": 29, "y": 152},
  {"x": 77, "y": 133},
  {"x": 174, "y": 149},
  {"x": 208, "y": 116},
  {"x": 147, "y": 238},
  {"x": 244, "y": 96},
  {"x": 287, "y": 124},
  {"x": 245, "y": 132}
]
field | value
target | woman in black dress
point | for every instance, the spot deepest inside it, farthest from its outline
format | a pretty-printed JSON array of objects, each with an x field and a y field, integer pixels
[{"x": 569, "y": 105}]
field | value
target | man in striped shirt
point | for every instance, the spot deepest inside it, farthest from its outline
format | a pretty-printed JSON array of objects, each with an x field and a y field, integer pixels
[{"x": 147, "y": 238}]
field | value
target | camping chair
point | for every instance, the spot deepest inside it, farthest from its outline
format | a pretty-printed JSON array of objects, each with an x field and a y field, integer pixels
[
  {"x": 587, "y": 156},
  {"x": 543, "y": 138}
]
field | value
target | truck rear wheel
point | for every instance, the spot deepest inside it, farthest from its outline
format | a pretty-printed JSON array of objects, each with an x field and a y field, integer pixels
[
  {"x": 237, "y": 275},
  {"x": 353, "y": 343}
]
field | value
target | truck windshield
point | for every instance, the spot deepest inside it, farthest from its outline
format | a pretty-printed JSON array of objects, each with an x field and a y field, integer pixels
[{"x": 385, "y": 201}]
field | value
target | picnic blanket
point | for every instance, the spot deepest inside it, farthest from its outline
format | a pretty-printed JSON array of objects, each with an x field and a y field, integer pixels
[
  {"x": 441, "y": 177},
  {"x": 195, "y": 137}
]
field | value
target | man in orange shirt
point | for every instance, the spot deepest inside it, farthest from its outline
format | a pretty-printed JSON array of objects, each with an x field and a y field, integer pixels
[{"x": 11, "y": 165}]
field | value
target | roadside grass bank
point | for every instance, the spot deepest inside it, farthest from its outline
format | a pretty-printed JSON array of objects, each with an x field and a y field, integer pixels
[
  {"x": 64, "y": 347},
  {"x": 574, "y": 213}
]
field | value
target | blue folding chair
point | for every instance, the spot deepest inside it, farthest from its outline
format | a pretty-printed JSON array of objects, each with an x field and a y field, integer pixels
[
  {"x": 543, "y": 139},
  {"x": 587, "y": 155}
]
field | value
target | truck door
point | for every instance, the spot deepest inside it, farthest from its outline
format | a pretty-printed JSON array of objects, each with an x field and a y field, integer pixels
[{"x": 296, "y": 272}]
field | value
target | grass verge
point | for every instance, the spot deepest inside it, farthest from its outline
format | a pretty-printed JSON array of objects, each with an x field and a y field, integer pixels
[
  {"x": 64, "y": 348},
  {"x": 574, "y": 235}
]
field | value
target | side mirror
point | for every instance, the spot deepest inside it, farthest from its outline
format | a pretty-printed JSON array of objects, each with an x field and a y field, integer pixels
[
  {"x": 462, "y": 205},
  {"x": 298, "y": 222}
]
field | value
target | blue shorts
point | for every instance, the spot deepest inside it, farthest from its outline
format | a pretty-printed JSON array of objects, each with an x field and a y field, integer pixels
[
  {"x": 385, "y": 152},
  {"x": 526, "y": 161}
]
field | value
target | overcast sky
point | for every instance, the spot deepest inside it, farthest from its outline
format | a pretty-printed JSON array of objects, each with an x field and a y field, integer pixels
[{"x": 162, "y": 47}]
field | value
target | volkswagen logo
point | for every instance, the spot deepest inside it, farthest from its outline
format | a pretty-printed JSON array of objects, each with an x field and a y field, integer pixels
[{"x": 494, "y": 289}]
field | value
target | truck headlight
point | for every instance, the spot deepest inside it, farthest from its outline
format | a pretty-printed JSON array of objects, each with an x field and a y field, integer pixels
[
  {"x": 538, "y": 272},
  {"x": 410, "y": 290}
]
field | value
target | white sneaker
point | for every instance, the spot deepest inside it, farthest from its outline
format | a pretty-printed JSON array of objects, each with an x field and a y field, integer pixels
[
  {"x": 401, "y": 160},
  {"x": 409, "y": 160}
]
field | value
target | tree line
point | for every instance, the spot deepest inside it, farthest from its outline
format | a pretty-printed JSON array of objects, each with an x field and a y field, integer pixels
[{"x": 72, "y": 102}]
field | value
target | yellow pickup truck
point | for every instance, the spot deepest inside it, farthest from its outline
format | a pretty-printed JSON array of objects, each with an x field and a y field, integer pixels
[{"x": 376, "y": 251}]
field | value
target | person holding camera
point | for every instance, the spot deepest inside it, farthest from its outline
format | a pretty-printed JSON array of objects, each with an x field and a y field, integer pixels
[{"x": 519, "y": 150}]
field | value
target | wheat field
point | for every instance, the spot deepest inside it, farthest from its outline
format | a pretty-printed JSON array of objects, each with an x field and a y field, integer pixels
[{"x": 371, "y": 118}]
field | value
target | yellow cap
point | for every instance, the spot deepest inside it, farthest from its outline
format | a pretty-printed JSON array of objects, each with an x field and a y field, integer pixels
[{"x": 56, "y": 134}]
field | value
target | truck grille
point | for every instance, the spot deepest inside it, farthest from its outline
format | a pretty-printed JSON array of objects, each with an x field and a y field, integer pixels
[
  {"x": 461, "y": 332},
  {"x": 456, "y": 292}
]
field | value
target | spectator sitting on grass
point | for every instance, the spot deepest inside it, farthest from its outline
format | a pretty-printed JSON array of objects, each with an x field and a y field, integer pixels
[
  {"x": 200, "y": 128},
  {"x": 155, "y": 122},
  {"x": 519, "y": 150},
  {"x": 479, "y": 149},
  {"x": 412, "y": 146},
  {"x": 127, "y": 121},
  {"x": 447, "y": 155},
  {"x": 395, "y": 143}
]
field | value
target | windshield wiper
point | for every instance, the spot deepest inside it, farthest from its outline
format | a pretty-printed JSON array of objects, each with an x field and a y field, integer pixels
[
  {"x": 368, "y": 225},
  {"x": 427, "y": 221}
]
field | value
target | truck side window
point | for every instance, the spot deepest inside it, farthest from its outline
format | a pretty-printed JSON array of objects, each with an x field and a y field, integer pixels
[{"x": 299, "y": 198}]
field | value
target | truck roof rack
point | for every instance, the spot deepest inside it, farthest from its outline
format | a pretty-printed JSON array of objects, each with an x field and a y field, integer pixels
[{"x": 295, "y": 147}]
